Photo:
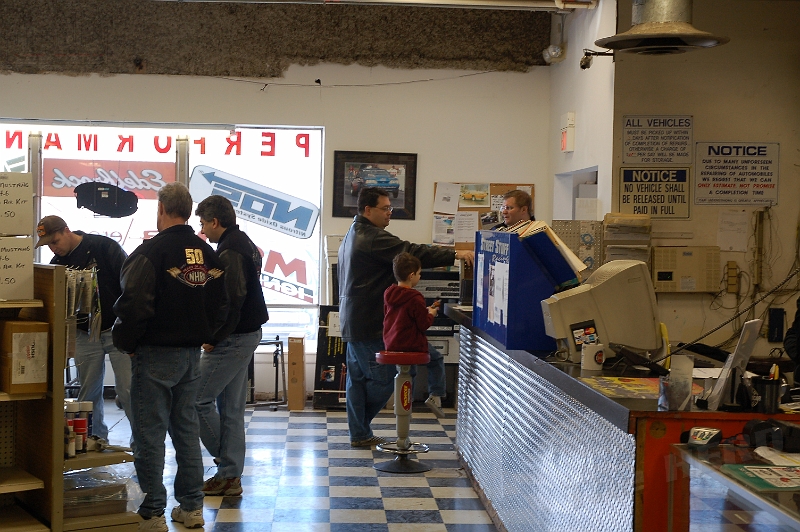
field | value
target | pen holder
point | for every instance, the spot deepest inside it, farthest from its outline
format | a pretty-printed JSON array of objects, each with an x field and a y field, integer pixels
[{"x": 769, "y": 394}]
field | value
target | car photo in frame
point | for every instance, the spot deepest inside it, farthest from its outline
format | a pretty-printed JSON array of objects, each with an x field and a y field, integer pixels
[{"x": 396, "y": 173}]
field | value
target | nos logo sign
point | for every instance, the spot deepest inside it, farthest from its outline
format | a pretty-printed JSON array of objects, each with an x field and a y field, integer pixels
[{"x": 255, "y": 203}]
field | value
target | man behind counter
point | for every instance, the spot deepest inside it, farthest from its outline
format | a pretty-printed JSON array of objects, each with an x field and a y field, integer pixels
[{"x": 517, "y": 207}]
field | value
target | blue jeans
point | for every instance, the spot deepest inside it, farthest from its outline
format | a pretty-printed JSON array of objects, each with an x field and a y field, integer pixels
[
  {"x": 90, "y": 360},
  {"x": 223, "y": 377},
  {"x": 369, "y": 386},
  {"x": 163, "y": 394},
  {"x": 436, "y": 383}
]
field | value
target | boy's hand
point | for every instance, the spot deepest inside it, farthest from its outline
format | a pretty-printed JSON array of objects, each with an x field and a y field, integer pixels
[{"x": 434, "y": 309}]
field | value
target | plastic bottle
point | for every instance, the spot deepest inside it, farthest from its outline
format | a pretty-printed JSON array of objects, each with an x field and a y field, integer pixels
[{"x": 87, "y": 411}]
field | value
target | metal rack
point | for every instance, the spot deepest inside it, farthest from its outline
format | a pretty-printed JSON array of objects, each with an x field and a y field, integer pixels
[{"x": 277, "y": 360}]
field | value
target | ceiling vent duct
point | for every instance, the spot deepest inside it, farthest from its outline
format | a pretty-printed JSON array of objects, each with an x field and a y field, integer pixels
[{"x": 661, "y": 27}]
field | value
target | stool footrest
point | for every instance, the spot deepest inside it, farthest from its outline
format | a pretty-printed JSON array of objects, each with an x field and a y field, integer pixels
[{"x": 392, "y": 448}]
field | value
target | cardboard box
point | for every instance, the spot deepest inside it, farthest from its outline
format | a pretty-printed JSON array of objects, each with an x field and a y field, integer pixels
[
  {"x": 16, "y": 267},
  {"x": 23, "y": 356},
  {"x": 16, "y": 203},
  {"x": 297, "y": 382}
]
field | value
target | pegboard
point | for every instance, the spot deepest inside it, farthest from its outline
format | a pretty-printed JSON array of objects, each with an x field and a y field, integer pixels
[
  {"x": 7, "y": 425},
  {"x": 584, "y": 238}
]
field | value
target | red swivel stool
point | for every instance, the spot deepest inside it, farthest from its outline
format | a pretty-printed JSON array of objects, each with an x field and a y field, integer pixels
[{"x": 402, "y": 409}]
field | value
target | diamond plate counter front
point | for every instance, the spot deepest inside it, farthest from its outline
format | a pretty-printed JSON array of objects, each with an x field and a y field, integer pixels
[{"x": 544, "y": 460}]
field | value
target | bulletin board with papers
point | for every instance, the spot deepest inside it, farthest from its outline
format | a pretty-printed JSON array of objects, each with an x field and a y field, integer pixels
[{"x": 461, "y": 209}]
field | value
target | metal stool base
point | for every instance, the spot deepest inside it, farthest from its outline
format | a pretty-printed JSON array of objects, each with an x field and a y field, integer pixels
[{"x": 402, "y": 464}]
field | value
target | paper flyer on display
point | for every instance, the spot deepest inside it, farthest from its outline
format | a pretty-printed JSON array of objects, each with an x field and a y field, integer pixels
[
  {"x": 446, "y": 199},
  {"x": 466, "y": 224},
  {"x": 443, "y": 230}
]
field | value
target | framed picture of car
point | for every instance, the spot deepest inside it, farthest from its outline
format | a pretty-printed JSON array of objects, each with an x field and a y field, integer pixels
[{"x": 396, "y": 173}]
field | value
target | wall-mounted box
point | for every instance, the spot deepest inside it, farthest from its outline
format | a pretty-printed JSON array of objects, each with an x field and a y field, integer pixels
[{"x": 686, "y": 269}]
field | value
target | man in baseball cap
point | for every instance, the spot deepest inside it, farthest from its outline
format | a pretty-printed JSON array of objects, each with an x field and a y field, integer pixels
[
  {"x": 47, "y": 229},
  {"x": 82, "y": 251}
]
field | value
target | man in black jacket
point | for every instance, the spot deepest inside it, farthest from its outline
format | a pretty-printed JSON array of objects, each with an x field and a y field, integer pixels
[
  {"x": 81, "y": 251},
  {"x": 790, "y": 343},
  {"x": 365, "y": 272},
  {"x": 173, "y": 301},
  {"x": 224, "y": 363}
]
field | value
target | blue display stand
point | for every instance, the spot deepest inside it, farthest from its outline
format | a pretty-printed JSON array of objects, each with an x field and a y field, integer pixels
[{"x": 511, "y": 280}]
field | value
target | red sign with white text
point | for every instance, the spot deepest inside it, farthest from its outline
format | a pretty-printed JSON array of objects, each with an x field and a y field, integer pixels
[{"x": 144, "y": 179}]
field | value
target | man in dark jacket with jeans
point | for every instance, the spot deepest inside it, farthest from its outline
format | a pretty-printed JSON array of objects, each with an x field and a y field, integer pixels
[
  {"x": 365, "y": 272},
  {"x": 173, "y": 301},
  {"x": 82, "y": 251},
  {"x": 223, "y": 366}
]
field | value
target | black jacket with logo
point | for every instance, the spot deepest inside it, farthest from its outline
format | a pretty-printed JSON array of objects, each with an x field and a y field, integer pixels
[
  {"x": 242, "y": 261},
  {"x": 105, "y": 254},
  {"x": 173, "y": 293},
  {"x": 365, "y": 272}
]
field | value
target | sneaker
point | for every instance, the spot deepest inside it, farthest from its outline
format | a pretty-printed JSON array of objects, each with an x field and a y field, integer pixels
[
  {"x": 227, "y": 487},
  {"x": 192, "y": 519},
  {"x": 157, "y": 524},
  {"x": 434, "y": 402},
  {"x": 369, "y": 442}
]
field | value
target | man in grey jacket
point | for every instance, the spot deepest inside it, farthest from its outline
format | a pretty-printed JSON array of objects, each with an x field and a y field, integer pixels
[{"x": 365, "y": 272}]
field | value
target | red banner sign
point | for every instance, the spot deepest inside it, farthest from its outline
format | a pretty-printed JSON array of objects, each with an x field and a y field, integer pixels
[{"x": 144, "y": 179}]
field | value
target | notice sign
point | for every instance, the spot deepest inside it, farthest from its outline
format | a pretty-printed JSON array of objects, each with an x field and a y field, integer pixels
[
  {"x": 657, "y": 140},
  {"x": 659, "y": 192},
  {"x": 733, "y": 173}
]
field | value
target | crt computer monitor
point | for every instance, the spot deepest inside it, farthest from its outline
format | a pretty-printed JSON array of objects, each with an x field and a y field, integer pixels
[{"x": 615, "y": 305}]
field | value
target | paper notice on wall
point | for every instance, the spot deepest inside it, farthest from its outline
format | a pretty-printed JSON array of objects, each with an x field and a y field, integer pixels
[
  {"x": 444, "y": 230},
  {"x": 446, "y": 199},
  {"x": 466, "y": 225},
  {"x": 334, "y": 325},
  {"x": 733, "y": 230}
]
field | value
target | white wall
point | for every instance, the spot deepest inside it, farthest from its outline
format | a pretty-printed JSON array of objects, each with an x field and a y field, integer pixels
[
  {"x": 745, "y": 91},
  {"x": 590, "y": 94},
  {"x": 465, "y": 126}
]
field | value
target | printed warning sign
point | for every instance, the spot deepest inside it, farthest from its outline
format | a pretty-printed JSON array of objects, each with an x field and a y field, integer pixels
[
  {"x": 732, "y": 173},
  {"x": 659, "y": 192}
]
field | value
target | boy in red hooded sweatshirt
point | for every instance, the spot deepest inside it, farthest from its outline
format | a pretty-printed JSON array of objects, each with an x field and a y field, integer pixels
[{"x": 406, "y": 318}]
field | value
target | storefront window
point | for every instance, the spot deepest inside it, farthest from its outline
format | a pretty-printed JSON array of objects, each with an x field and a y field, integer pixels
[{"x": 272, "y": 176}]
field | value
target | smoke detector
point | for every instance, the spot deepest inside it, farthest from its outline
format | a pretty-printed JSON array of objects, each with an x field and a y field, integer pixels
[{"x": 661, "y": 27}]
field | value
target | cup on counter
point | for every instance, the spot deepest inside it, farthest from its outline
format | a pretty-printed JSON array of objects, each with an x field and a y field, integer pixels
[
  {"x": 769, "y": 392},
  {"x": 592, "y": 357}
]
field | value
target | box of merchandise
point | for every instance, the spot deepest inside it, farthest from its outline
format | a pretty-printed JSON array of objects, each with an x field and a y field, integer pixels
[
  {"x": 94, "y": 492},
  {"x": 297, "y": 382},
  {"x": 16, "y": 267},
  {"x": 16, "y": 203},
  {"x": 23, "y": 356}
]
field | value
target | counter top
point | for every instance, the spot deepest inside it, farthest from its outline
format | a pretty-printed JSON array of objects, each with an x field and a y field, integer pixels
[{"x": 566, "y": 375}]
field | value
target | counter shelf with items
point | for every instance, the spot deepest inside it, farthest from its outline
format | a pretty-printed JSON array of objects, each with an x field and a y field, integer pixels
[
  {"x": 38, "y": 433},
  {"x": 15, "y": 478}
]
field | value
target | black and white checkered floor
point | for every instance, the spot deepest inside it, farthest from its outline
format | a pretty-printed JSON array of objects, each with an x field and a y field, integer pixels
[{"x": 302, "y": 475}]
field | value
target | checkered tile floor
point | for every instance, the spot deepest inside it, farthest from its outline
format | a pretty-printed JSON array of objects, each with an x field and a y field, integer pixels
[{"x": 302, "y": 475}]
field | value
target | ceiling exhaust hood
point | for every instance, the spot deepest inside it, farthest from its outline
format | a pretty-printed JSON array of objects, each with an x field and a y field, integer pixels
[{"x": 661, "y": 27}]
